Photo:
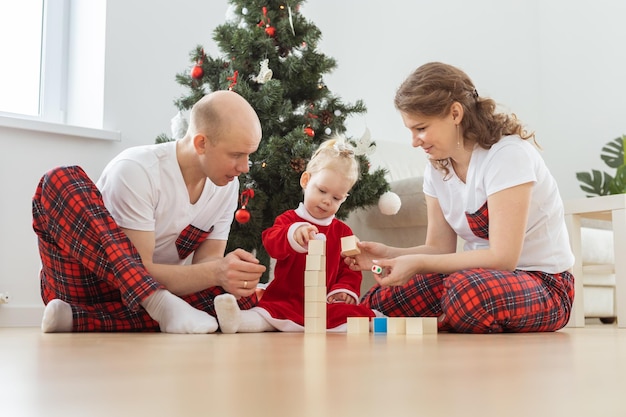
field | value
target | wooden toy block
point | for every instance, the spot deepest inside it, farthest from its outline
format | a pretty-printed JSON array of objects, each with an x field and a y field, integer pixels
[
  {"x": 348, "y": 246},
  {"x": 396, "y": 325},
  {"x": 379, "y": 325},
  {"x": 315, "y": 263},
  {"x": 314, "y": 309},
  {"x": 315, "y": 325},
  {"x": 317, "y": 247},
  {"x": 358, "y": 325},
  {"x": 315, "y": 294},
  {"x": 314, "y": 278},
  {"x": 421, "y": 325}
]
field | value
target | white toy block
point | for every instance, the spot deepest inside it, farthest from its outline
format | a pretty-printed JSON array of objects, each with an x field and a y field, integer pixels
[
  {"x": 314, "y": 278},
  {"x": 358, "y": 325},
  {"x": 315, "y": 294},
  {"x": 349, "y": 246},
  {"x": 314, "y": 309},
  {"x": 317, "y": 247},
  {"x": 421, "y": 325},
  {"x": 315, "y": 325},
  {"x": 377, "y": 269},
  {"x": 315, "y": 263},
  {"x": 396, "y": 325}
]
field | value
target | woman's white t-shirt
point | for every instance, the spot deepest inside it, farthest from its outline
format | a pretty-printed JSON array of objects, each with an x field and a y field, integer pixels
[{"x": 511, "y": 161}]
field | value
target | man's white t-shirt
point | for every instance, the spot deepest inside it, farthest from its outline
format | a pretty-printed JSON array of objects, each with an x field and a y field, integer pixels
[
  {"x": 143, "y": 189},
  {"x": 510, "y": 162}
]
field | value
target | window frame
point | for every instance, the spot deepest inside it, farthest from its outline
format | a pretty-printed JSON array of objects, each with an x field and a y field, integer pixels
[{"x": 55, "y": 85}]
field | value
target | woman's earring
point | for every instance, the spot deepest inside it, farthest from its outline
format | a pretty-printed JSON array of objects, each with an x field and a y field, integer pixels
[{"x": 458, "y": 138}]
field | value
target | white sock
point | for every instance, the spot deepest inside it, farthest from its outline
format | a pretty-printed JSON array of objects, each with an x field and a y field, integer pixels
[
  {"x": 57, "y": 317},
  {"x": 174, "y": 315},
  {"x": 228, "y": 313},
  {"x": 233, "y": 320},
  {"x": 253, "y": 322}
]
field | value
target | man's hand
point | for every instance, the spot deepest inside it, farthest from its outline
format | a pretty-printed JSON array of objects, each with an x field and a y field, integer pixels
[{"x": 239, "y": 273}]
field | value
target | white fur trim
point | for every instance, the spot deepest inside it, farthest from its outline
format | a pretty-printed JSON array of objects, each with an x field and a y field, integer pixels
[{"x": 292, "y": 242}]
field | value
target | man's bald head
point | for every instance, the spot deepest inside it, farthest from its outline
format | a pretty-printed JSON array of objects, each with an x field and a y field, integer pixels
[{"x": 218, "y": 113}]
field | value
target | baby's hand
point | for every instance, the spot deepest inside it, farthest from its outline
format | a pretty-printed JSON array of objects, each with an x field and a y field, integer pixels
[
  {"x": 341, "y": 297},
  {"x": 304, "y": 233}
]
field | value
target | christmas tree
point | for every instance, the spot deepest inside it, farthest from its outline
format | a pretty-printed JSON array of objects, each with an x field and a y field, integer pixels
[{"x": 270, "y": 57}]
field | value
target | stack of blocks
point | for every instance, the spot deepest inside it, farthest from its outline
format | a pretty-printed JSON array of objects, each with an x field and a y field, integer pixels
[{"x": 315, "y": 288}]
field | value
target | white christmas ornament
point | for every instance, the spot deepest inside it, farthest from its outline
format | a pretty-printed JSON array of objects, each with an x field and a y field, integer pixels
[
  {"x": 389, "y": 203},
  {"x": 365, "y": 145},
  {"x": 265, "y": 73},
  {"x": 179, "y": 125}
]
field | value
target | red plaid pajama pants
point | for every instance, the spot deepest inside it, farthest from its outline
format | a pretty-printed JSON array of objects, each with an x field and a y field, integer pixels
[
  {"x": 88, "y": 262},
  {"x": 481, "y": 300}
]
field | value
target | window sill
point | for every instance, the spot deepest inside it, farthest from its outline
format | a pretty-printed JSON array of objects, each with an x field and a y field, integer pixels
[{"x": 59, "y": 129}]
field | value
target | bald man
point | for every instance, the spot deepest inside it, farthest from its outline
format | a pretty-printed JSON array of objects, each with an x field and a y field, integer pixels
[{"x": 143, "y": 250}]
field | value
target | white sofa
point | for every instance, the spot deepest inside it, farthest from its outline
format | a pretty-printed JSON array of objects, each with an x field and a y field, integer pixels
[{"x": 405, "y": 167}]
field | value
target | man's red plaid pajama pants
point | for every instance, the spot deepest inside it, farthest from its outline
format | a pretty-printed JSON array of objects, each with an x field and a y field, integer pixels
[
  {"x": 88, "y": 262},
  {"x": 481, "y": 300}
]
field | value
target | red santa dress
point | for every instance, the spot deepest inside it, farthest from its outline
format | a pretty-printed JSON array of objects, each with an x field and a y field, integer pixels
[{"x": 282, "y": 303}]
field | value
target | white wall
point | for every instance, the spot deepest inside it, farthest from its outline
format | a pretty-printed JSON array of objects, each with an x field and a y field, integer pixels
[{"x": 557, "y": 64}]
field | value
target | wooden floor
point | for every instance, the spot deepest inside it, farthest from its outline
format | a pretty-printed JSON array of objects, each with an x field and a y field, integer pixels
[{"x": 570, "y": 373}]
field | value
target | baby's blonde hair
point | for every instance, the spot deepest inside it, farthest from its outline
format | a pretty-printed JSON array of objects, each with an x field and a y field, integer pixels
[{"x": 337, "y": 155}]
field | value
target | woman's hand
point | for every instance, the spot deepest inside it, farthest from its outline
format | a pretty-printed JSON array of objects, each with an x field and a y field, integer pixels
[
  {"x": 396, "y": 271},
  {"x": 369, "y": 252}
]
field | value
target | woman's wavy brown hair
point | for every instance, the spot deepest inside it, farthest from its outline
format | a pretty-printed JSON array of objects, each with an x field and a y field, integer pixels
[{"x": 432, "y": 88}]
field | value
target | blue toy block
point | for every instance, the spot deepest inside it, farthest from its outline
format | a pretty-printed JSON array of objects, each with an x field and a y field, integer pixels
[{"x": 379, "y": 324}]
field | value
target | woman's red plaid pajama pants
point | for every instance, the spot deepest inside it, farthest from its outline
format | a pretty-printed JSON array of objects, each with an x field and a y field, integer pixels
[
  {"x": 481, "y": 300},
  {"x": 88, "y": 262}
]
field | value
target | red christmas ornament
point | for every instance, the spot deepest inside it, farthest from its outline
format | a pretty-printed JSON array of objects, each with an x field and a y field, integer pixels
[
  {"x": 310, "y": 132},
  {"x": 197, "y": 72},
  {"x": 243, "y": 215},
  {"x": 270, "y": 30}
]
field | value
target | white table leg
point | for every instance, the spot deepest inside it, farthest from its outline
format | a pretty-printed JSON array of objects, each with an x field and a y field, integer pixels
[{"x": 619, "y": 236}]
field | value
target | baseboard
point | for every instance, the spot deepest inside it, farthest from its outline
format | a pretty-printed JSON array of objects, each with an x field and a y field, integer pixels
[{"x": 20, "y": 316}]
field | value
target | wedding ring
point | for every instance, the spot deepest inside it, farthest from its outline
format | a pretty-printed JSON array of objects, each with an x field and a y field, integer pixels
[{"x": 245, "y": 285}]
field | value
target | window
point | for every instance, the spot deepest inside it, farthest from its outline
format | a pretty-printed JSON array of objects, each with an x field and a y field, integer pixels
[
  {"x": 33, "y": 36},
  {"x": 44, "y": 44}
]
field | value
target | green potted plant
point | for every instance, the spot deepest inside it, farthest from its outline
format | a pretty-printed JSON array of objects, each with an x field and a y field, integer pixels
[{"x": 596, "y": 183}]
